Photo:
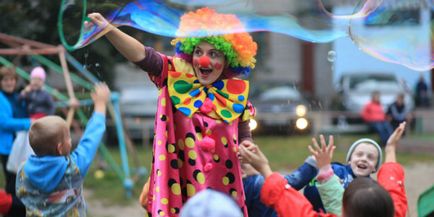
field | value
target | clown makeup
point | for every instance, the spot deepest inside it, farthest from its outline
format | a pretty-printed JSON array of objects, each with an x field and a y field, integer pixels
[
  {"x": 208, "y": 63},
  {"x": 364, "y": 159}
]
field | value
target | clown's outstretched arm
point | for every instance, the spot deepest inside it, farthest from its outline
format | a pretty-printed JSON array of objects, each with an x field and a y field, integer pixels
[{"x": 128, "y": 46}]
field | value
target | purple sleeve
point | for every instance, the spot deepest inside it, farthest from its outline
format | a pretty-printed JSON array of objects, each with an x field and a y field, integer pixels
[
  {"x": 152, "y": 63},
  {"x": 244, "y": 131}
]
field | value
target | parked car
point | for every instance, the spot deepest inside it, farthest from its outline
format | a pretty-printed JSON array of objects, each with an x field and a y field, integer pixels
[
  {"x": 280, "y": 107},
  {"x": 354, "y": 91}
]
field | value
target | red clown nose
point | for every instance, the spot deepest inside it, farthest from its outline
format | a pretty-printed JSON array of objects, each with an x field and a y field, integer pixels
[{"x": 204, "y": 61}]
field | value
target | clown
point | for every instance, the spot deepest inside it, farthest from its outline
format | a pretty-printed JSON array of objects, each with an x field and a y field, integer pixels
[{"x": 203, "y": 112}]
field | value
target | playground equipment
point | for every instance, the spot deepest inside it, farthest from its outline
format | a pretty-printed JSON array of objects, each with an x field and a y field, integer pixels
[
  {"x": 425, "y": 203},
  {"x": 19, "y": 47}
]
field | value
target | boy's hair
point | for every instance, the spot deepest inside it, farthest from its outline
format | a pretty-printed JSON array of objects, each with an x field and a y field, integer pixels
[
  {"x": 7, "y": 72},
  {"x": 365, "y": 198},
  {"x": 46, "y": 133},
  {"x": 368, "y": 141}
]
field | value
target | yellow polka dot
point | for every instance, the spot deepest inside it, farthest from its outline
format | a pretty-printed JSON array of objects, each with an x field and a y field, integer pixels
[
  {"x": 208, "y": 132},
  {"x": 153, "y": 197},
  {"x": 180, "y": 144},
  {"x": 192, "y": 154},
  {"x": 189, "y": 142},
  {"x": 164, "y": 201},
  {"x": 163, "y": 102},
  {"x": 199, "y": 136},
  {"x": 234, "y": 194},
  {"x": 200, "y": 178},
  {"x": 157, "y": 189},
  {"x": 176, "y": 189},
  {"x": 158, "y": 173},
  {"x": 235, "y": 149},
  {"x": 235, "y": 137},
  {"x": 224, "y": 140},
  {"x": 218, "y": 121},
  {"x": 215, "y": 157},
  {"x": 225, "y": 180},
  {"x": 159, "y": 142},
  {"x": 171, "y": 148},
  {"x": 162, "y": 157},
  {"x": 161, "y": 213},
  {"x": 173, "y": 210},
  {"x": 191, "y": 190}
]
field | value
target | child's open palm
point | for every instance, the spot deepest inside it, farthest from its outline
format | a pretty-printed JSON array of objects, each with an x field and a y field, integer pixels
[{"x": 323, "y": 154}]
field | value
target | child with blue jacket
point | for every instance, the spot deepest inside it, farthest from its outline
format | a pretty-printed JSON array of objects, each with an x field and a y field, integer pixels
[
  {"x": 363, "y": 158},
  {"x": 50, "y": 182}
]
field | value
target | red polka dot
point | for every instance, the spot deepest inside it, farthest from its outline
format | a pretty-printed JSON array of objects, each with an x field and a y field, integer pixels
[
  {"x": 175, "y": 74},
  {"x": 236, "y": 86},
  {"x": 221, "y": 100},
  {"x": 187, "y": 101},
  {"x": 189, "y": 75}
]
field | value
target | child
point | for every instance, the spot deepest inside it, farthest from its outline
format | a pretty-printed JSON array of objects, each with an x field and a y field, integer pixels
[
  {"x": 39, "y": 102},
  {"x": 363, "y": 197},
  {"x": 50, "y": 182},
  {"x": 202, "y": 114},
  {"x": 364, "y": 157}
]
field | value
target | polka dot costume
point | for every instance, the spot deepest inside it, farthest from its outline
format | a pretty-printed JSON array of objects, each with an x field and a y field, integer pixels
[{"x": 195, "y": 146}]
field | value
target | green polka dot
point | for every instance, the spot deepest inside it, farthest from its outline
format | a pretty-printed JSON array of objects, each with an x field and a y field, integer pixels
[
  {"x": 182, "y": 86},
  {"x": 226, "y": 113},
  {"x": 200, "y": 178},
  {"x": 175, "y": 100}
]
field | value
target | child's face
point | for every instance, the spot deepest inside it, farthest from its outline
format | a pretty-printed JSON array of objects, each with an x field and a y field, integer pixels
[
  {"x": 364, "y": 159},
  {"x": 208, "y": 63},
  {"x": 36, "y": 83}
]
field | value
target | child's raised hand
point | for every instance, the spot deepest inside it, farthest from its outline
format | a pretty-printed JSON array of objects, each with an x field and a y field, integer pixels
[
  {"x": 256, "y": 159},
  {"x": 323, "y": 154},
  {"x": 396, "y": 135},
  {"x": 101, "y": 95},
  {"x": 249, "y": 145}
]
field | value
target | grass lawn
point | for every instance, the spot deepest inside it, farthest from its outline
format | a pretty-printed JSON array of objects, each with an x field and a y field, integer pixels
[{"x": 284, "y": 153}]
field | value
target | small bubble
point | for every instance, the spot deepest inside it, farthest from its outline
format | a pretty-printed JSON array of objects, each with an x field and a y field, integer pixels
[{"x": 331, "y": 56}]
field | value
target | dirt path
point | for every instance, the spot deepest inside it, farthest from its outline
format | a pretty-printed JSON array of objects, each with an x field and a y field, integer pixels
[{"x": 419, "y": 177}]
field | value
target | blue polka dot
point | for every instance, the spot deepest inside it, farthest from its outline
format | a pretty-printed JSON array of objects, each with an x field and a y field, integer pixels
[
  {"x": 185, "y": 111},
  {"x": 196, "y": 81},
  {"x": 218, "y": 84},
  {"x": 238, "y": 108},
  {"x": 211, "y": 96},
  {"x": 194, "y": 92},
  {"x": 241, "y": 98},
  {"x": 198, "y": 103}
]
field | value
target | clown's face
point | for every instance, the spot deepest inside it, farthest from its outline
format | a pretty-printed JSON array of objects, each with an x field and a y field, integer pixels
[
  {"x": 364, "y": 159},
  {"x": 208, "y": 63}
]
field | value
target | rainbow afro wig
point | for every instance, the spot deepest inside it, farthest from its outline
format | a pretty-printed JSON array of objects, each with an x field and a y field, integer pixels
[{"x": 238, "y": 47}]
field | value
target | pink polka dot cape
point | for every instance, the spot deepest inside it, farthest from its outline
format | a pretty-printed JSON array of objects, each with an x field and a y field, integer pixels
[{"x": 196, "y": 138}]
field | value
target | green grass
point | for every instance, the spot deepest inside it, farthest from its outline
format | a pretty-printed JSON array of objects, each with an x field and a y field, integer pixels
[{"x": 284, "y": 154}]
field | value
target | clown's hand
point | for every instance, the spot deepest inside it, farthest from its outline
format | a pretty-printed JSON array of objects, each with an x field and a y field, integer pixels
[
  {"x": 100, "y": 21},
  {"x": 249, "y": 145}
]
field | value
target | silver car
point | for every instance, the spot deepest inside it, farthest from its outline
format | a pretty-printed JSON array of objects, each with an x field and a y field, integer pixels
[
  {"x": 355, "y": 90},
  {"x": 280, "y": 108}
]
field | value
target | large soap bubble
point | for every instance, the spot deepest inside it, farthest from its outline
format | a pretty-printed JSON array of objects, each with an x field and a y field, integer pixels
[{"x": 386, "y": 29}]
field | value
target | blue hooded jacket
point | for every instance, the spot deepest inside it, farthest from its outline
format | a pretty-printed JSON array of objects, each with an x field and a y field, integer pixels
[{"x": 52, "y": 185}]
